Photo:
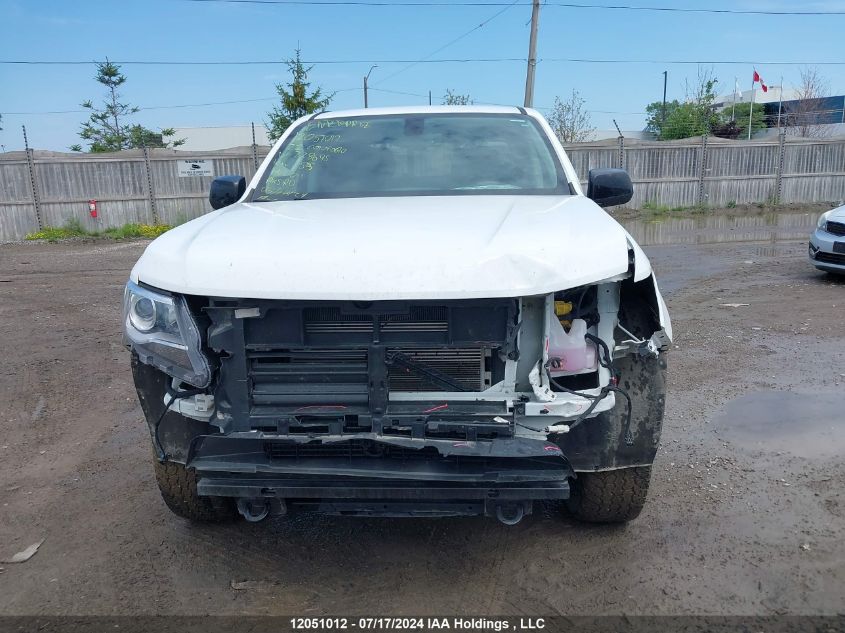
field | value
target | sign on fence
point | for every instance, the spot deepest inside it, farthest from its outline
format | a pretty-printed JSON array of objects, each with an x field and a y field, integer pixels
[{"x": 193, "y": 168}]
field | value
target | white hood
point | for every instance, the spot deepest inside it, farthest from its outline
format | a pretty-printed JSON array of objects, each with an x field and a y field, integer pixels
[
  {"x": 837, "y": 214},
  {"x": 471, "y": 246}
]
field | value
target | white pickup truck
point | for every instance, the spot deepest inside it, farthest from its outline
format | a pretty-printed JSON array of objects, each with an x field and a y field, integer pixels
[{"x": 407, "y": 312}]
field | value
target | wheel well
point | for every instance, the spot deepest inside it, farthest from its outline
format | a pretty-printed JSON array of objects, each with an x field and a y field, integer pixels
[{"x": 638, "y": 308}]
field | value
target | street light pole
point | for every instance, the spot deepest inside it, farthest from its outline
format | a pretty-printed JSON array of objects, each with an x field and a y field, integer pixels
[
  {"x": 532, "y": 55},
  {"x": 366, "y": 79}
]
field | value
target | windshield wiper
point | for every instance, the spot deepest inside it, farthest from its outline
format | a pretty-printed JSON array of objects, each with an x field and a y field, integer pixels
[
  {"x": 480, "y": 187},
  {"x": 269, "y": 199}
]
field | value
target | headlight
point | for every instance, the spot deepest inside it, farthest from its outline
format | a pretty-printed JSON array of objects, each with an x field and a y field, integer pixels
[
  {"x": 823, "y": 219},
  {"x": 161, "y": 330},
  {"x": 142, "y": 313}
]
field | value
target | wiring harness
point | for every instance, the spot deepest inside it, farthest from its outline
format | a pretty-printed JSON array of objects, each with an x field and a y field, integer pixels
[
  {"x": 606, "y": 361},
  {"x": 174, "y": 396}
]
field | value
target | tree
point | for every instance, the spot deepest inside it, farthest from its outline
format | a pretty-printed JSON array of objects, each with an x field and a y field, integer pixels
[
  {"x": 655, "y": 115},
  {"x": 696, "y": 115},
  {"x": 296, "y": 101},
  {"x": 452, "y": 98},
  {"x": 106, "y": 129},
  {"x": 806, "y": 116},
  {"x": 734, "y": 120},
  {"x": 570, "y": 120}
]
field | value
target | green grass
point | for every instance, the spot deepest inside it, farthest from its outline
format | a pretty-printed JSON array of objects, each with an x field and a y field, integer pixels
[
  {"x": 656, "y": 209},
  {"x": 74, "y": 229},
  {"x": 768, "y": 203}
]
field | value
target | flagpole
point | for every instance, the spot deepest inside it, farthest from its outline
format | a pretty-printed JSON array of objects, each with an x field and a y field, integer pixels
[
  {"x": 733, "y": 107},
  {"x": 751, "y": 108},
  {"x": 780, "y": 101}
]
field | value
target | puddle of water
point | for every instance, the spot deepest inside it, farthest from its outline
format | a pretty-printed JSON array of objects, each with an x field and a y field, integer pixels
[
  {"x": 806, "y": 425},
  {"x": 717, "y": 229}
]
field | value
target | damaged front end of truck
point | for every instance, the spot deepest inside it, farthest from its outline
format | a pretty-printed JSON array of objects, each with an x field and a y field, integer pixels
[
  {"x": 398, "y": 407},
  {"x": 407, "y": 312}
]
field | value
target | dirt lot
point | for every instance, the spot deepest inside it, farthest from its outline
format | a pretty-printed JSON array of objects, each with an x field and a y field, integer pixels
[{"x": 746, "y": 513}]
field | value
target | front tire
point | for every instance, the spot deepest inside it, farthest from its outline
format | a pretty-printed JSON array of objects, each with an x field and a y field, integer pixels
[
  {"x": 610, "y": 496},
  {"x": 178, "y": 486}
]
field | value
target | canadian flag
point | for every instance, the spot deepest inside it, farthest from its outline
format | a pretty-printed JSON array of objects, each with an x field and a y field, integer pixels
[{"x": 757, "y": 78}]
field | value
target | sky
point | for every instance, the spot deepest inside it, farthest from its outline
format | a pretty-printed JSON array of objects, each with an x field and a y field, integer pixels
[{"x": 189, "y": 30}]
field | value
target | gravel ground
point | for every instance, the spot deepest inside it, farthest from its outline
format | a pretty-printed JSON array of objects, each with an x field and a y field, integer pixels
[{"x": 746, "y": 513}]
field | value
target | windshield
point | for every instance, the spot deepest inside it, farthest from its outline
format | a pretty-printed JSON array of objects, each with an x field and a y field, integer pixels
[{"x": 412, "y": 155}]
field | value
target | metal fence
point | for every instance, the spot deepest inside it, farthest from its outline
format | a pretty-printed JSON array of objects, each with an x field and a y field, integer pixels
[{"x": 41, "y": 188}]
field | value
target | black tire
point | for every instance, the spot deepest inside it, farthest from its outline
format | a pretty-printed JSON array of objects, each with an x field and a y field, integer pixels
[
  {"x": 610, "y": 496},
  {"x": 178, "y": 486}
]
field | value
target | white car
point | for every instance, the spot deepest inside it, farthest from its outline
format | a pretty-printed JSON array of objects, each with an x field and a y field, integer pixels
[
  {"x": 407, "y": 312},
  {"x": 827, "y": 243}
]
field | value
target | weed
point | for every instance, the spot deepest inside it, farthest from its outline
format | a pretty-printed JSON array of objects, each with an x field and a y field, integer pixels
[
  {"x": 73, "y": 228},
  {"x": 656, "y": 209}
]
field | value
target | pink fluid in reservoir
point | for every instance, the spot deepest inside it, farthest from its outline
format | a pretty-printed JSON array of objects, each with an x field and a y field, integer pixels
[{"x": 574, "y": 352}]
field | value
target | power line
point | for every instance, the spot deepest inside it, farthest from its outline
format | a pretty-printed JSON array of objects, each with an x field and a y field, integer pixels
[
  {"x": 622, "y": 7},
  {"x": 262, "y": 62},
  {"x": 161, "y": 107},
  {"x": 581, "y": 60},
  {"x": 568, "y": 5},
  {"x": 571, "y": 60},
  {"x": 399, "y": 92},
  {"x": 196, "y": 105},
  {"x": 448, "y": 44}
]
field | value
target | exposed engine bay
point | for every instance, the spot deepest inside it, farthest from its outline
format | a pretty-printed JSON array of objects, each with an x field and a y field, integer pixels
[
  {"x": 458, "y": 370},
  {"x": 428, "y": 395},
  {"x": 437, "y": 359}
]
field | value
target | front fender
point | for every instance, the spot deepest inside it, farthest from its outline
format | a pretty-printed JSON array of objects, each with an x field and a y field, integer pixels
[{"x": 642, "y": 272}]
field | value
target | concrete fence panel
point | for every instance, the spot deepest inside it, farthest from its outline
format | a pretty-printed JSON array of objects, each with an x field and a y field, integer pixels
[
  {"x": 169, "y": 186},
  {"x": 115, "y": 181},
  {"x": 17, "y": 208}
]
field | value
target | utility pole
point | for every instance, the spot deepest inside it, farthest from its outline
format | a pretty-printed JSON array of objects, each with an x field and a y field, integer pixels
[
  {"x": 532, "y": 55},
  {"x": 665, "y": 77},
  {"x": 366, "y": 79},
  {"x": 429, "y": 97}
]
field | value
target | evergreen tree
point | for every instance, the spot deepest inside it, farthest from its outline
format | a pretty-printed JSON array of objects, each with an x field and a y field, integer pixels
[
  {"x": 296, "y": 101},
  {"x": 107, "y": 129}
]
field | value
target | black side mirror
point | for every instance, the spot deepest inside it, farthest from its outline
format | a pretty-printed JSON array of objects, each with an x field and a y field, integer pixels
[
  {"x": 609, "y": 187},
  {"x": 226, "y": 190}
]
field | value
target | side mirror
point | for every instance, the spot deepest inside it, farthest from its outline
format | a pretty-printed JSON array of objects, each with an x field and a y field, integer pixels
[
  {"x": 226, "y": 190},
  {"x": 609, "y": 187}
]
